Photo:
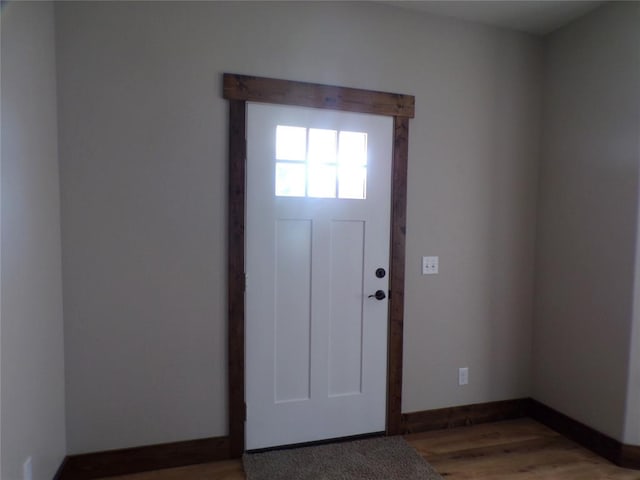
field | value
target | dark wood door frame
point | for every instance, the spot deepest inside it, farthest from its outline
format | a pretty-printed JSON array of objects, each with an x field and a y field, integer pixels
[{"x": 240, "y": 89}]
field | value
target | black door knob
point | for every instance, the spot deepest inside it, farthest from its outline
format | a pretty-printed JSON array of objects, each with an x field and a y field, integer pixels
[{"x": 379, "y": 295}]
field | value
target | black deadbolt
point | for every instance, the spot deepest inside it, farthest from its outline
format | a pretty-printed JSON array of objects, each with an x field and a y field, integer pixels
[{"x": 380, "y": 273}]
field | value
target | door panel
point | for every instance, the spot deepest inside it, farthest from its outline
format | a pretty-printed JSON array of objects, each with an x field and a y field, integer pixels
[
  {"x": 316, "y": 349},
  {"x": 292, "y": 330},
  {"x": 345, "y": 330}
]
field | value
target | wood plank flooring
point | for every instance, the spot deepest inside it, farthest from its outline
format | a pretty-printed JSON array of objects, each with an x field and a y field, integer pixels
[{"x": 515, "y": 450}]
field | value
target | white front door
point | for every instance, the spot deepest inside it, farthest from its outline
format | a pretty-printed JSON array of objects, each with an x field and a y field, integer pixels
[{"x": 318, "y": 214}]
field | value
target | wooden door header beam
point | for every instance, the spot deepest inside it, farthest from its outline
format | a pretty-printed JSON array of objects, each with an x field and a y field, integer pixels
[{"x": 286, "y": 92}]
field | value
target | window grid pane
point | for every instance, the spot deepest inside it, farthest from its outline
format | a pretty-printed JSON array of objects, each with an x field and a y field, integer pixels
[
  {"x": 290, "y": 179},
  {"x": 322, "y": 181},
  {"x": 322, "y": 145},
  {"x": 353, "y": 148},
  {"x": 291, "y": 143},
  {"x": 352, "y": 182}
]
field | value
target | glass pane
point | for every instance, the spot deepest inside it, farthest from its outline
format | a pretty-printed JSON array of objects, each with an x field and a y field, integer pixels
[
  {"x": 353, "y": 148},
  {"x": 322, "y": 145},
  {"x": 322, "y": 181},
  {"x": 290, "y": 179},
  {"x": 291, "y": 143},
  {"x": 352, "y": 182}
]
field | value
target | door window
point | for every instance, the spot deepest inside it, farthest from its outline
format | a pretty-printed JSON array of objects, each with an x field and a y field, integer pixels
[{"x": 320, "y": 163}]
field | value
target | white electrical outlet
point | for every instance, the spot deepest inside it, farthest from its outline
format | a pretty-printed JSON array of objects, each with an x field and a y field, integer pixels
[
  {"x": 463, "y": 376},
  {"x": 430, "y": 265},
  {"x": 27, "y": 470}
]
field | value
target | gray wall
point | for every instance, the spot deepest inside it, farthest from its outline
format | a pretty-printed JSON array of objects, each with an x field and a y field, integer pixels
[
  {"x": 587, "y": 222},
  {"x": 143, "y": 171},
  {"x": 32, "y": 409}
]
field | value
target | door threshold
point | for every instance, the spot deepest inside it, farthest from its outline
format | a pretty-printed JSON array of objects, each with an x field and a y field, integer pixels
[{"x": 315, "y": 443}]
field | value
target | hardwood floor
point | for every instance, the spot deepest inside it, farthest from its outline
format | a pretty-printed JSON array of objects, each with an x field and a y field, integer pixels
[{"x": 516, "y": 450}]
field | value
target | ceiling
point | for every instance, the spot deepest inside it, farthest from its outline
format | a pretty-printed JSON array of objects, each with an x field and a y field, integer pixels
[{"x": 532, "y": 16}]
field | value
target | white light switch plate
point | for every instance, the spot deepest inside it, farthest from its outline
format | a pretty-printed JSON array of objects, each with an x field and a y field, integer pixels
[
  {"x": 27, "y": 470},
  {"x": 430, "y": 265},
  {"x": 463, "y": 376}
]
